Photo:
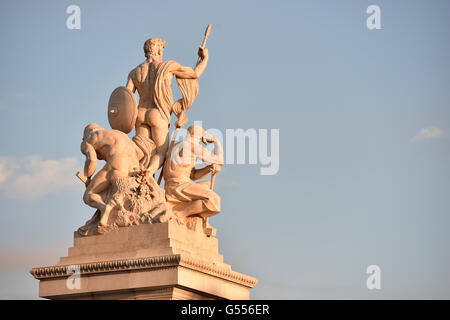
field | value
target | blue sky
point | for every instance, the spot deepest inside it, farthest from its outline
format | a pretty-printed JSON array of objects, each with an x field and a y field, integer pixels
[{"x": 364, "y": 122}]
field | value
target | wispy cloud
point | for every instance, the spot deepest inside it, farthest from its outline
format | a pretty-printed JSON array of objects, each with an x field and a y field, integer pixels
[
  {"x": 32, "y": 177},
  {"x": 430, "y": 133}
]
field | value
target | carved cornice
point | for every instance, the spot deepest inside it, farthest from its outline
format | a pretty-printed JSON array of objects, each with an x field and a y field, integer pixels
[
  {"x": 218, "y": 271},
  {"x": 169, "y": 261}
]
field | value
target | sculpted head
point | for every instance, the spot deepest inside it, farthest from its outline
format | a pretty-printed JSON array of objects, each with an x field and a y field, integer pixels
[
  {"x": 197, "y": 133},
  {"x": 154, "y": 47},
  {"x": 91, "y": 128}
]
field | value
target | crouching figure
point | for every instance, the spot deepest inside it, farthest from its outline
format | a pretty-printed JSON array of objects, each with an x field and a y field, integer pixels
[{"x": 186, "y": 197}]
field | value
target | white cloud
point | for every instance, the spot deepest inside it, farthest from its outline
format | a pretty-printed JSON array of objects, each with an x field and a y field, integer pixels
[
  {"x": 7, "y": 167},
  {"x": 430, "y": 133},
  {"x": 31, "y": 177}
]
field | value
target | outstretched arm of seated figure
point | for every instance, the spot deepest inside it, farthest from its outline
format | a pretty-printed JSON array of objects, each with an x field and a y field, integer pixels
[{"x": 198, "y": 174}]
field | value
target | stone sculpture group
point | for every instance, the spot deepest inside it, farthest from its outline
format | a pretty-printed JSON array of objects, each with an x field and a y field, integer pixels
[{"x": 124, "y": 192}]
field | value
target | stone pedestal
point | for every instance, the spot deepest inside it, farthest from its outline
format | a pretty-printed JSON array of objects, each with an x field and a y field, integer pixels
[{"x": 149, "y": 261}]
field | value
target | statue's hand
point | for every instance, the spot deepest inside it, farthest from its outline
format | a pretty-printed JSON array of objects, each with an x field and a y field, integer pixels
[
  {"x": 182, "y": 119},
  {"x": 209, "y": 138},
  {"x": 215, "y": 168},
  {"x": 202, "y": 53}
]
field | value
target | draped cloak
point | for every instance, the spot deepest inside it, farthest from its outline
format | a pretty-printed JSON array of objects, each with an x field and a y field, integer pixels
[{"x": 163, "y": 98}]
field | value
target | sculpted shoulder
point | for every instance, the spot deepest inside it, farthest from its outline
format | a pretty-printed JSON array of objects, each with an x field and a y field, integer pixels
[
  {"x": 139, "y": 73},
  {"x": 116, "y": 134},
  {"x": 172, "y": 65}
]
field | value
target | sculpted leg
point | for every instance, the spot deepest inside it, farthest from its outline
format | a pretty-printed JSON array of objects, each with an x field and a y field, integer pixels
[
  {"x": 143, "y": 130},
  {"x": 187, "y": 209},
  {"x": 160, "y": 136},
  {"x": 108, "y": 208},
  {"x": 113, "y": 176},
  {"x": 92, "y": 194},
  {"x": 205, "y": 202},
  {"x": 211, "y": 205},
  {"x": 204, "y": 184}
]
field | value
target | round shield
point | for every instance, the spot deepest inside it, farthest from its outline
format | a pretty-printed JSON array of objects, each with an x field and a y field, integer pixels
[{"x": 122, "y": 109}]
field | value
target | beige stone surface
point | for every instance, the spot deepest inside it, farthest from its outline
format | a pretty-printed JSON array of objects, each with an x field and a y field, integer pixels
[
  {"x": 145, "y": 242},
  {"x": 124, "y": 192},
  {"x": 121, "y": 191},
  {"x": 122, "y": 110},
  {"x": 186, "y": 197},
  {"x": 149, "y": 261},
  {"x": 152, "y": 80}
]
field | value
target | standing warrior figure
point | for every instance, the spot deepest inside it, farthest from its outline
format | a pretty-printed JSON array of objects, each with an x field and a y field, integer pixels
[
  {"x": 152, "y": 79},
  {"x": 189, "y": 198}
]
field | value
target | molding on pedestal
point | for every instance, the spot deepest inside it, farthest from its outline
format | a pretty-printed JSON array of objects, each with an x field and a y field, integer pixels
[
  {"x": 167, "y": 261},
  {"x": 138, "y": 262}
]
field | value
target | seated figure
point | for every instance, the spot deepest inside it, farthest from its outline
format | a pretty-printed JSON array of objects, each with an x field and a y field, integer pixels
[{"x": 186, "y": 197}]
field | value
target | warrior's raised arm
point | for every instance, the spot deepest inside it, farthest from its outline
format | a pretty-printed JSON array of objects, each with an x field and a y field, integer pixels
[{"x": 183, "y": 72}]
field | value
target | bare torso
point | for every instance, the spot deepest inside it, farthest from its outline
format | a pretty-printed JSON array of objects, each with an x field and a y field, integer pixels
[
  {"x": 144, "y": 78},
  {"x": 151, "y": 122},
  {"x": 179, "y": 165},
  {"x": 119, "y": 152},
  {"x": 121, "y": 155}
]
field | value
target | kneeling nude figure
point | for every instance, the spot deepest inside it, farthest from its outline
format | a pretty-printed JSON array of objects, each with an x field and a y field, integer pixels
[
  {"x": 189, "y": 198},
  {"x": 122, "y": 157}
]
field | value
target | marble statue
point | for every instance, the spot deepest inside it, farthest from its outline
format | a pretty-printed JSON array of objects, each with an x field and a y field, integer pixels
[
  {"x": 186, "y": 197},
  {"x": 124, "y": 191},
  {"x": 146, "y": 241},
  {"x": 152, "y": 79},
  {"x": 120, "y": 187},
  {"x": 121, "y": 156}
]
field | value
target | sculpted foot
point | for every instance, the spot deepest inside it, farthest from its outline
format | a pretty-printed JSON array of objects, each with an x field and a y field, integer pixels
[{"x": 104, "y": 219}]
